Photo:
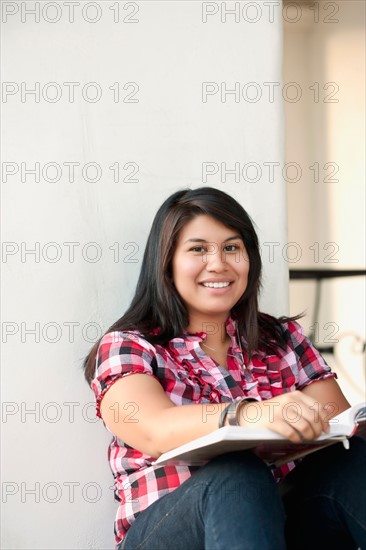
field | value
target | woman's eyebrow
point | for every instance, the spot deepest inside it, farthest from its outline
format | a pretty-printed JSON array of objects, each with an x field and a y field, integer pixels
[{"x": 194, "y": 240}]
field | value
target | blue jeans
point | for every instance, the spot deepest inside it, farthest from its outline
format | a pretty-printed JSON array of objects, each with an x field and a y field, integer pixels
[{"x": 234, "y": 503}]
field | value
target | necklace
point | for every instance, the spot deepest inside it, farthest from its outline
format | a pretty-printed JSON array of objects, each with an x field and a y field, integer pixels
[
  {"x": 212, "y": 349},
  {"x": 208, "y": 347},
  {"x": 229, "y": 354}
]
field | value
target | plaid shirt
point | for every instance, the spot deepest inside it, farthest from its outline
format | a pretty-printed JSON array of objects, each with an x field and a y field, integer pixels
[{"x": 189, "y": 375}]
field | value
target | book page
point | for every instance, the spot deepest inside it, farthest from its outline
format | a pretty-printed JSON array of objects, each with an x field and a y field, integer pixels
[{"x": 349, "y": 416}]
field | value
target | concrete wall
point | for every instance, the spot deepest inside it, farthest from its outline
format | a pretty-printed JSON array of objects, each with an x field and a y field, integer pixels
[{"x": 122, "y": 90}]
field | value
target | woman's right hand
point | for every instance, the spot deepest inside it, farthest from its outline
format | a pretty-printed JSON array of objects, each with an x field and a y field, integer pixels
[{"x": 293, "y": 415}]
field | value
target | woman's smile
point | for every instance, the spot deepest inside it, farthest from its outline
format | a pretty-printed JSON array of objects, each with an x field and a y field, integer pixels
[{"x": 219, "y": 287}]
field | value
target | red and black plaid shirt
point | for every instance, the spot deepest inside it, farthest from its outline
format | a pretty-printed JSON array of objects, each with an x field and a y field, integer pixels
[{"x": 188, "y": 375}]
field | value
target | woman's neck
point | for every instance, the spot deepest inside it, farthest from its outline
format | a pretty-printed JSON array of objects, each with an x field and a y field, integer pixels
[{"x": 217, "y": 337}]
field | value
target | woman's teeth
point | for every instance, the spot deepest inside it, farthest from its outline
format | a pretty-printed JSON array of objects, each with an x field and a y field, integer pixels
[{"x": 216, "y": 285}]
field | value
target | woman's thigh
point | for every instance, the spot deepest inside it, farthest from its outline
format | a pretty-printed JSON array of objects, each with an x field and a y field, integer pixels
[
  {"x": 231, "y": 502},
  {"x": 324, "y": 498}
]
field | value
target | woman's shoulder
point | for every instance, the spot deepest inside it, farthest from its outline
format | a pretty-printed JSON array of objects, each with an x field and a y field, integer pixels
[{"x": 124, "y": 340}]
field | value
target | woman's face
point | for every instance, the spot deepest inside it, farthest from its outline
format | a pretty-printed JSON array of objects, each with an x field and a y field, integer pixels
[{"x": 210, "y": 268}]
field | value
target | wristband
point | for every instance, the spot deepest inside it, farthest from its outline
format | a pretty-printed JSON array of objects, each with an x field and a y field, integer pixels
[
  {"x": 223, "y": 416},
  {"x": 233, "y": 410}
]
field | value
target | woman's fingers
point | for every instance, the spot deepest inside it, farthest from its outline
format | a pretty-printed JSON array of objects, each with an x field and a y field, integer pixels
[
  {"x": 304, "y": 430},
  {"x": 294, "y": 415},
  {"x": 315, "y": 414},
  {"x": 298, "y": 417}
]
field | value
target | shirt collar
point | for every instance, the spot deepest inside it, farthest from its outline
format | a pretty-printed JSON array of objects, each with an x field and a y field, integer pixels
[{"x": 184, "y": 344}]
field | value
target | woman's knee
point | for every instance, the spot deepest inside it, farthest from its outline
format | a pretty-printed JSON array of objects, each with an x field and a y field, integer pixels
[
  {"x": 334, "y": 467},
  {"x": 243, "y": 463},
  {"x": 238, "y": 475},
  {"x": 244, "y": 484}
]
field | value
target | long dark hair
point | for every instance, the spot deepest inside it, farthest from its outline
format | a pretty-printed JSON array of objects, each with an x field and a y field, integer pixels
[{"x": 157, "y": 304}]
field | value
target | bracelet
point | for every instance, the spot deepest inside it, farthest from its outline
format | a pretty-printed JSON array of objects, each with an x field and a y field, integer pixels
[
  {"x": 233, "y": 410},
  {"x": 223, "y": 416}
]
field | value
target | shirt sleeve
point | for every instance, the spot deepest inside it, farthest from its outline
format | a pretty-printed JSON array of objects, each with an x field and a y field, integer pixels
[
  {"x": 312, "y": 366},
  {"x": 120, "y": 354}
]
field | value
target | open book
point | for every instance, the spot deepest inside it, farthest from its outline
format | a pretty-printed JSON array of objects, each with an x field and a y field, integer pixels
[{"x": 268, "y": 445}]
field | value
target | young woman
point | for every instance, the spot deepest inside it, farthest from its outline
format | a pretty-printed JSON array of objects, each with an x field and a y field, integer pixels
[{"x": 193, "y": 330}]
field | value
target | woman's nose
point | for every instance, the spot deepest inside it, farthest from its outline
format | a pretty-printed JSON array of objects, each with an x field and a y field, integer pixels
[{"x": 215, "y": 259}]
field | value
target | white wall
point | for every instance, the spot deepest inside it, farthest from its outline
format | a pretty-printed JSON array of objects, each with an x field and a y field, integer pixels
[
  {"x": 168, "y": 133},
  {"x": 330, "y": 214}
]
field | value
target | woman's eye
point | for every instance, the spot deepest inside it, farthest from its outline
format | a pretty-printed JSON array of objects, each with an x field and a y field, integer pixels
[
  {"x": 197, "y": 249},
  {"x": 231, "y": 247}
]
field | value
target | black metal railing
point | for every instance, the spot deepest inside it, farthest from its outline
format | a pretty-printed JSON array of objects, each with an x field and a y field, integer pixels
[{"x": 319, "y": 275}]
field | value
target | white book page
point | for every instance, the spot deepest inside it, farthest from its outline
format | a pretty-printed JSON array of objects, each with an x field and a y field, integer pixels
[{"x": 343, "y": 423}]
